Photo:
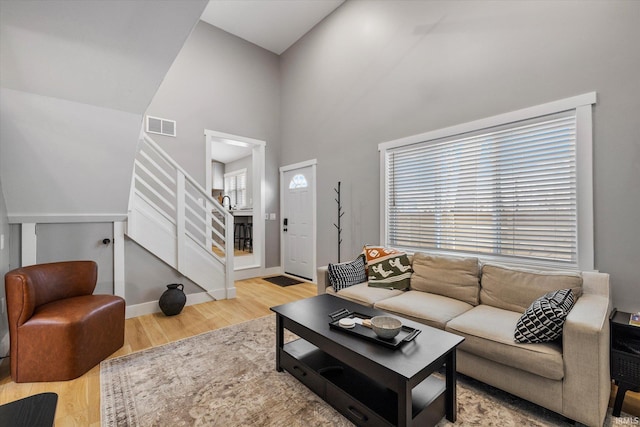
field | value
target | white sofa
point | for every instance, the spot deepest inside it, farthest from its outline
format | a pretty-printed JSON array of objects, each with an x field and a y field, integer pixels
[{"x": 570, "y": 376}]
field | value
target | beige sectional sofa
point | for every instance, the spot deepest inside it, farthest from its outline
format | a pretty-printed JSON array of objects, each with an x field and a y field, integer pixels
[{"x": 568, "y": 376}]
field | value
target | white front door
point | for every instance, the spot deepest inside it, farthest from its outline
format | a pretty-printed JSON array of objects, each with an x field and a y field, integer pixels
[{"x": 298, "y": 221}]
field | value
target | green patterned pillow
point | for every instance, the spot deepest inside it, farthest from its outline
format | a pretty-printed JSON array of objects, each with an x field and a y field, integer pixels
[{"x": 387, "y": 268}]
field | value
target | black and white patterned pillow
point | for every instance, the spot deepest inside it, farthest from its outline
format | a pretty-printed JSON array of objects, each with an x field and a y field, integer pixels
[
  {"x": 544, "y": 319},
  {"x": 347, "y": 274}
]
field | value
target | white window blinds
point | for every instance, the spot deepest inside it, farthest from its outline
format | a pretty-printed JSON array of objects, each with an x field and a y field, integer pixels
[
  {"x": 507, "y": 191},
  {"x": 235, "y": 186}
]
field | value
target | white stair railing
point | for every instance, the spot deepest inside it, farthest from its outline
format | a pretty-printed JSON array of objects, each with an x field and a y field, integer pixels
[{"x": 171, "y": 216}]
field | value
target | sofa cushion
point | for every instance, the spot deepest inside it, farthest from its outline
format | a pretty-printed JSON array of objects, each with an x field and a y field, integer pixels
[
  {"x": 488, "y": 333},
  {"x": 544, "y": 319},
  {"x": 387, "y": 268},
  {"x": 363, "y": 294},
  {"x": 448, "y": 276},
  {"x": 347, "y": 274},
  {"x": 431, "y": 309},
  {"x": 515, "y": 289}
]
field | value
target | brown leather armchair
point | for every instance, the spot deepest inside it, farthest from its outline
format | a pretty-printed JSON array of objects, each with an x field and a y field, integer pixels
[{"x": 58, "y": 330}]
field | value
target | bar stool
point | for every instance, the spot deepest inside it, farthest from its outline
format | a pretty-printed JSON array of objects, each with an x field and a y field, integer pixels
[
  {"x": 239, "y": 234},
  {"x": 247, "y": 242}
]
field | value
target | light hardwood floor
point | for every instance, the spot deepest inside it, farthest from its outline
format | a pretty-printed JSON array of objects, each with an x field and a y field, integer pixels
[{"x": 79, "y": 399}]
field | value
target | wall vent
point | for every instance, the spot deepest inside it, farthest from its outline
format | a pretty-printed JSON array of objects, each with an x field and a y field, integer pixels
[{"x": 161, "y": 126}]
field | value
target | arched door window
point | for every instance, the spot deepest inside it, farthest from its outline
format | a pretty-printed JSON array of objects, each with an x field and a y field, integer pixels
[{"x": 298, "y": 181}]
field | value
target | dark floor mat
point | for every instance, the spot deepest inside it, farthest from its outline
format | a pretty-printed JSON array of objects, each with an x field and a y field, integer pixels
[{"x": 282, "y": 280}]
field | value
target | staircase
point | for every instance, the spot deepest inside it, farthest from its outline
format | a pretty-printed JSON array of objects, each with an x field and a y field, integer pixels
[{"x": 171, "y": 216}]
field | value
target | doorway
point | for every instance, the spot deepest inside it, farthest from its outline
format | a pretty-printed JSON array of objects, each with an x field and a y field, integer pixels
[
  {"x": 239, "y": 158},
  {"x": 298, "y": 213}
]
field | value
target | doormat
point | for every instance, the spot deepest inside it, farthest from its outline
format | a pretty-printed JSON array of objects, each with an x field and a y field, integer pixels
[{"x": 282, "y": 280}]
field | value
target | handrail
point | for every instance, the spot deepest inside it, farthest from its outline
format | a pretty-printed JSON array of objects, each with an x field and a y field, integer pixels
[
  {"x": 188, "y": 177},
  {"x": 166, "y": 157},
  {"x": 197, "y": 216}
]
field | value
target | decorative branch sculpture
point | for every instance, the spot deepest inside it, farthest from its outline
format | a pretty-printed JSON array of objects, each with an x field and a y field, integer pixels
[{"x": 340, "y": 213}]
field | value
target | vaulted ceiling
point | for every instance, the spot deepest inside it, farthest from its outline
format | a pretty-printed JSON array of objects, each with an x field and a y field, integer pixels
[
  {"x": 90, "y": 51},
  {"x": 271, "y": 24}
]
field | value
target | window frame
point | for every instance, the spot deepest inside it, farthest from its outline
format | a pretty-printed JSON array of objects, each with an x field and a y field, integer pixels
[
  {"x": 235, "y": 174},
  {"x": 582, "y": 105}
]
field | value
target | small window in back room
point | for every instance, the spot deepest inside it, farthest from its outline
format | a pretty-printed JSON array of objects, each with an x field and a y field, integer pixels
[{"x": 235, "y": 186}]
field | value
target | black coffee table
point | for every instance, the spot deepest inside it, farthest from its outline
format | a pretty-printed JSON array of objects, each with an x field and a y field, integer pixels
[{"x": 368, "y": 383}]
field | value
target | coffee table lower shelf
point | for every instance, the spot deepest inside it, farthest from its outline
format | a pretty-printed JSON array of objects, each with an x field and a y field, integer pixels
[{"x": 357, "y": 397}]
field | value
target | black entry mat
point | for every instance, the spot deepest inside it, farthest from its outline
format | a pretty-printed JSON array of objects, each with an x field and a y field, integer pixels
[{"x": 282, "y": 280}]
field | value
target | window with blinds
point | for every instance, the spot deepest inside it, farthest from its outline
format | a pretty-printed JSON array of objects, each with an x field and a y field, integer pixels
[
  {"x": 506, "y": 192},
  {"x": 235, "y": 186}
]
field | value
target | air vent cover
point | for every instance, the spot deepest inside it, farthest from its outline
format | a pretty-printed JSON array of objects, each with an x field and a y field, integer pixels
[{"x": 161, "y": 126}]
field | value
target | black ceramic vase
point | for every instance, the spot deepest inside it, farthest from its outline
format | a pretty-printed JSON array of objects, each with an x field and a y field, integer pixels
[{"x": 172, "y": 300}]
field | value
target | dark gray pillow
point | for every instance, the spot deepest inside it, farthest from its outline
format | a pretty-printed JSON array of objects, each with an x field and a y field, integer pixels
[
  {"x": 544, "y": 319},
  {"x": 347, "y": 274}
]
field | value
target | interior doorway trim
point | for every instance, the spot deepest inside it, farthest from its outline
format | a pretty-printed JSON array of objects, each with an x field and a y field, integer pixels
[
  {"x": 258, "y": 194},
  {"x": 313, "y": 163}
]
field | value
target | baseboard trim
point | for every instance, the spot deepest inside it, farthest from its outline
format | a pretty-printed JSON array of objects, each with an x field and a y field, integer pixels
[
  {"x": 231, "y": 293},
  {"x": 250, "y": 273},
  {"x": 272, "y": 271},
  {"x": 151, "y": 307},
  {"x": 218, "y": 294}
]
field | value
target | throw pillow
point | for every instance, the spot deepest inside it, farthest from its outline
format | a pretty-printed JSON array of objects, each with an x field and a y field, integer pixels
[
  {"x": 347, "y": 274},
  {"x": 452, "y": 277},
  {"x": 387, "y": 268},
  {"x": 515, "y": 289},
  {"x": 544, "y": 319}
]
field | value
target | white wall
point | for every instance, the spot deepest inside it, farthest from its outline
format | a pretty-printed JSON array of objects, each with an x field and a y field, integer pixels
[
  {"x": 147, "y": 277},
  {"x": 79, "y": 241},
  {"x": 63, "y": 158},
  {"x": 104, "y": 53},
  {"x": 4, "y": 268},
  {"x": 222, "y": 83},
  {"x": 76, "y": 78},
  {"x": 375, "y": 71}
]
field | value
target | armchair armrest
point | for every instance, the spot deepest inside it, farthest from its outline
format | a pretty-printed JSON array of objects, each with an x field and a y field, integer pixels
[
  {"x": 585, "y": 350},
  {"x": 29, "y": 287}
]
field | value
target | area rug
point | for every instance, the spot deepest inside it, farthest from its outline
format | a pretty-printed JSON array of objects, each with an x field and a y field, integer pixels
[
  {"x": 282, "y": 280},
  {"x": 227, "y": 377}
]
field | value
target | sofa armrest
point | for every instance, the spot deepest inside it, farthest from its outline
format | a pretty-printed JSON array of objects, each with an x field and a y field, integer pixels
[
  {"x": 585, "y": 350},
  {"x": 323, "y": 279},
  {"x": 596, "y": 283}
]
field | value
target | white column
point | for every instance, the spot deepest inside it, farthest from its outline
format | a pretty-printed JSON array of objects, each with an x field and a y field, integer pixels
[
  {"x": 29, "y": 244},
  {"x": 118, "y": 259}
]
